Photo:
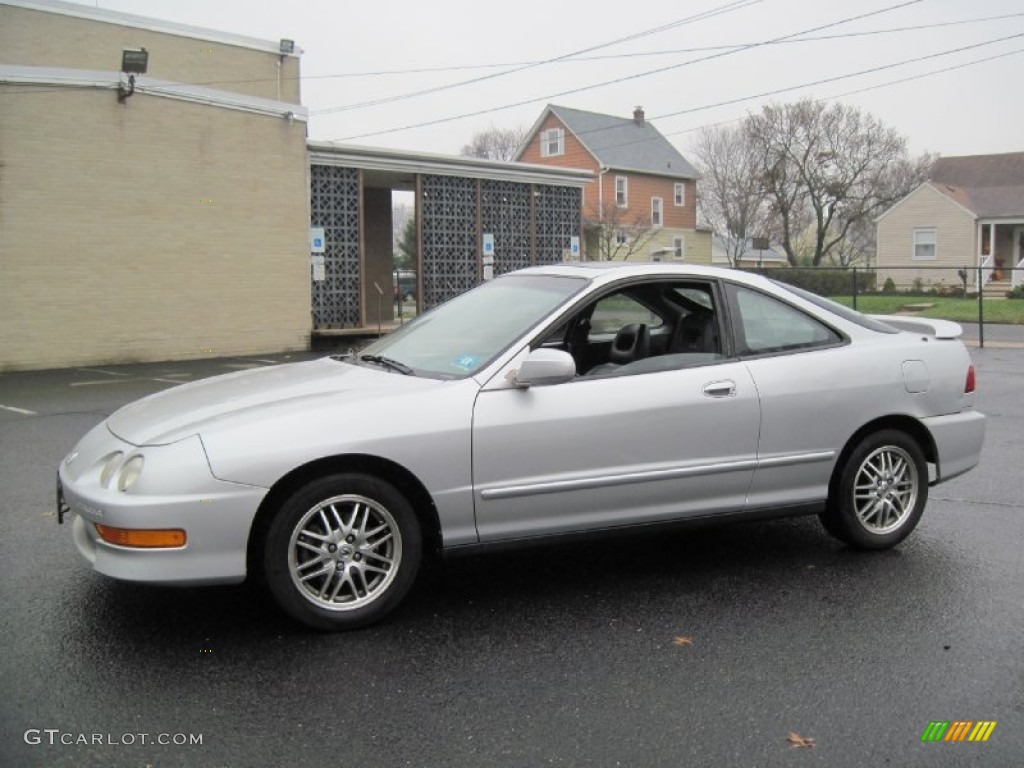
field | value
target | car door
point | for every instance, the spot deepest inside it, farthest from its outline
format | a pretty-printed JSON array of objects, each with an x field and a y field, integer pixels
[
  {"x": 810, "y": 383},
  {"x": 605, "y": 451}
]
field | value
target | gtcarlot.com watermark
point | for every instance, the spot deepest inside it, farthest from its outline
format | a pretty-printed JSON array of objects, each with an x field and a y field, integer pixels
[{"x": 56, "y": 737}]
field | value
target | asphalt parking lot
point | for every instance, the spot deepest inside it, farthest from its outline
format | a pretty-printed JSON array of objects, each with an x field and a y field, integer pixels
[{"x": 701, "y": 647}]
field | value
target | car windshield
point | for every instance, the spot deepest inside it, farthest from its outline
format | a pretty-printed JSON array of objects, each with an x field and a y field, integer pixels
[{"x": 463, "y": 335}]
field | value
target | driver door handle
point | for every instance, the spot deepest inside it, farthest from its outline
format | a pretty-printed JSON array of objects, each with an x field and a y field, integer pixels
[{"x": 725, "y": 388}]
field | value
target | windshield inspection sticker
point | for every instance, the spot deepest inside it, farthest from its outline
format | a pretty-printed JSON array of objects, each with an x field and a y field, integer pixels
[{"x": 466, "y": 362}]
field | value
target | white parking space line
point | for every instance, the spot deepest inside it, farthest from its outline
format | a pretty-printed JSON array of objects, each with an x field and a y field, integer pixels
[
  {"x": 166, "y": 381},
  {"x": 100, "y": 381},
  {"x": 242, "y": 366},
  {"x": 271, "y": 362},
  {"x": 107, "y": 373},
  {"x": 22, "y": 411}
]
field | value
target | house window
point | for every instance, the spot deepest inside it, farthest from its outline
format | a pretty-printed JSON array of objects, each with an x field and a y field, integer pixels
[
  {"x": 552, "y": 142},
  {"x": 678, "y": 248},
  {"x": 680, "y": 194},
  {"x": 924, "y": 244},
  {"x": 656, "y": 210},
  {"x": 621, "y": 238},
  {"x": 621, "y": 191}
]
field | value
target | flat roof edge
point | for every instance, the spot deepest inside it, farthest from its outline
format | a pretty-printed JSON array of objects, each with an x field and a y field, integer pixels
[
  {"x": 84, "y": 78},
  {"x": 379, "y": 159},
  {"x": 107, "y": 16}
]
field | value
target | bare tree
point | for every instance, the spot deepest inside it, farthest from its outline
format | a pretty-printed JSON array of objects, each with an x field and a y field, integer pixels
[
  {"x": 826, "y": 169},
  {"x": 614, "y": 234},
  {"x": 731, "y": 200},
  {"x": 495, "y": 143},
  {"x": 899, "y": 179}
]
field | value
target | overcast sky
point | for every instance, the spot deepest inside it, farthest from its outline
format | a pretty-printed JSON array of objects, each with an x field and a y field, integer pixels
[{"x": 709, "y": 52}]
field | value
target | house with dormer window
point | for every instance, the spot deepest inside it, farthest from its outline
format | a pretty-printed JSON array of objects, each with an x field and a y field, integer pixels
[{"x": 642, "y": 204}]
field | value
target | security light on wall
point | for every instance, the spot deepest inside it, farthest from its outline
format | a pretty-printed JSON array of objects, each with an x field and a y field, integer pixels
[{"x": 133, "y": 61}]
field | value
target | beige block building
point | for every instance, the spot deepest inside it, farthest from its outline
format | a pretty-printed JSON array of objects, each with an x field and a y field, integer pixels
[{"x": 171, "y": 224}]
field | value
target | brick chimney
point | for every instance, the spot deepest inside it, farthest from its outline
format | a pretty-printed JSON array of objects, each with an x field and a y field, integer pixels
[{"x": 638, "y": 116}]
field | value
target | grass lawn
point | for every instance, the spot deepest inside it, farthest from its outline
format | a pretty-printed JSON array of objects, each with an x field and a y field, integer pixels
[{"x": 960, "y": 310}]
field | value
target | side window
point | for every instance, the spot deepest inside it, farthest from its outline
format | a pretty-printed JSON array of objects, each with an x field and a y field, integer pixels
[
  {"x": 613, "y": 312},
  {"x": 769, "y": 325}
]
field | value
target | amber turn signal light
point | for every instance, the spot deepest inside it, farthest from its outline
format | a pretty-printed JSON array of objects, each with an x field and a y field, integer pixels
[{"x": 134, "y": 537}]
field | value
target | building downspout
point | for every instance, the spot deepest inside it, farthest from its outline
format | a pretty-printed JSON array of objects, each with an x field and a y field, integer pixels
[{"x": 600, "y": 192}]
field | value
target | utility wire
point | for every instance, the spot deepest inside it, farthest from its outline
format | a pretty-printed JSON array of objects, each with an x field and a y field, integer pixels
[
  {"x": 837, "y": 78},
  {"x": 28, "y": 88},
  {"x": 625, "y": 78},
  {"x": 641, "y": 54},
  {"x": 877, "y": 86},
  {"x": 727, "y": 8}
]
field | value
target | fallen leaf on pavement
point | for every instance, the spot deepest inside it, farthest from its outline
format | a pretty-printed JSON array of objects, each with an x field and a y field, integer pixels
[
  {"x": 683, "y": 640},
  {"x": 796, "y": 740}
]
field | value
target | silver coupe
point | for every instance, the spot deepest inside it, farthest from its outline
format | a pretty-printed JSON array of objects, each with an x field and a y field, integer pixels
[{"x": 567, "y": 399}]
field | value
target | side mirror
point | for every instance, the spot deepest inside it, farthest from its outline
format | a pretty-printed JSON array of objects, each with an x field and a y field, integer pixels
[{"x": 544, "y": 366}]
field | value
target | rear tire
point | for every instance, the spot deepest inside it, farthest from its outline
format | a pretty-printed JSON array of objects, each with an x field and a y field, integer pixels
[
  {"x": 342, "y": 552},
  {"x": 879, "y": 493}
]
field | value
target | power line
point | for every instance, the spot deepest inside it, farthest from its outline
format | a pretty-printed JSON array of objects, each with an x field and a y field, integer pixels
[
  {"x": 877, "y": 86},
  {"x": 727, "y": 8},
  {"x": 625, "y": 78},
  {"x": 868, "y": 71},
  {"x": 28, "y": 88},
  {"x": 643, "y": 54}
]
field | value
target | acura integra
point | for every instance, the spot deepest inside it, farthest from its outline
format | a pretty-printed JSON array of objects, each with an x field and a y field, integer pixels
[{"x": 565, "y": 399}]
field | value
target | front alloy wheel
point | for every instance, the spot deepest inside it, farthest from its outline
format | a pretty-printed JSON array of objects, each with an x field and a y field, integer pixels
[
  {"x": 879, "y": 492},
  {"x": 342, "y": 552}
]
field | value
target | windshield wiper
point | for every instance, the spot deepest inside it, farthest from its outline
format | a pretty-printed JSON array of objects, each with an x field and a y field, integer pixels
[{"x": 387, "y": 362}]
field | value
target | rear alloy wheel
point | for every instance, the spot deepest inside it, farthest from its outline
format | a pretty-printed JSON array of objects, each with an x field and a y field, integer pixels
[
  {"x": 342, "y": 552},
  {"x": 880, "y": 492}
]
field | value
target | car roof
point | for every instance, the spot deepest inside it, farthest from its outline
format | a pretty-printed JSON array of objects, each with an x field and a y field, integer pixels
[{"x": 608, "y": 271}]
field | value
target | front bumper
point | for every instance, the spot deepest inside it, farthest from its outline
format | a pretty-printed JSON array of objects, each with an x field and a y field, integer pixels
[{"x": 179, "y": 492}]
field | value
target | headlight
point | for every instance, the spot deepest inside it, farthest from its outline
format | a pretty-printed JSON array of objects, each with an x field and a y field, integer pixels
[
  {"x": 130, "y": 473},
  {"x": 110, "y": 465}
]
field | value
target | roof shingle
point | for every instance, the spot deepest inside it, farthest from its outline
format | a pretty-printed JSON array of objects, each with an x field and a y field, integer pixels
[
  {"x": 622, "y": 144},
  {"x": 990, "y": 186}
]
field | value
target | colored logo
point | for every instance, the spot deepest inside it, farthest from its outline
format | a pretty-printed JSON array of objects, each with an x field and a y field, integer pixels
[{"x": 958, "y": 730}]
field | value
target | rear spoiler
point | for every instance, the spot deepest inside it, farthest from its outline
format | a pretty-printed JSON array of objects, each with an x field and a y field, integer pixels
[{"x": 940, "y": 329}]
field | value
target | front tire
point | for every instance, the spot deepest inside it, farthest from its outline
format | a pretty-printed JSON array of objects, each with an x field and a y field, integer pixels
[
  {"x": 880, "y": 492},
  {"x": 342, "y": 552}
]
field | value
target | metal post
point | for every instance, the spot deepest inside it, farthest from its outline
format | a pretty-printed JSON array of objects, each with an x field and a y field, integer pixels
[
  {"x": 854, "y": 289},
  {"x": 380, "y": 295},
  {"x": 981, "y": 310},
  {"x": 401, "y": 297}
]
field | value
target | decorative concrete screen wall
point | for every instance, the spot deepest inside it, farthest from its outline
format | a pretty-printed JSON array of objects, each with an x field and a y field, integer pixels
[
  {"x": 450, "y": 240},
  {"x": 531, "y": 224},
  {"x": 334, "y": 205},
  {"x": 531, "y": 212}
]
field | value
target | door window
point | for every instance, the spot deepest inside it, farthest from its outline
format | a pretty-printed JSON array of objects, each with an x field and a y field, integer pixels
[
  {"x": 768, "y": 325},
  {"x": 613, "y": 312}
]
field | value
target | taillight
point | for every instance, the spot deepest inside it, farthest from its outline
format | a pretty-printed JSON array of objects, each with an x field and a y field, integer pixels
[{"x": 969, "y": 384}]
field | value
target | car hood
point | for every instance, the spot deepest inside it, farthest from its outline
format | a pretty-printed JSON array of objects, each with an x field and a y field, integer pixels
[{"x": 168, "y": 416}]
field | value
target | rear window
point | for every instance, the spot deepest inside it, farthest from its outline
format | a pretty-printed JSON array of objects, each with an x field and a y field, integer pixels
[{"x": 838, "y": 309}]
